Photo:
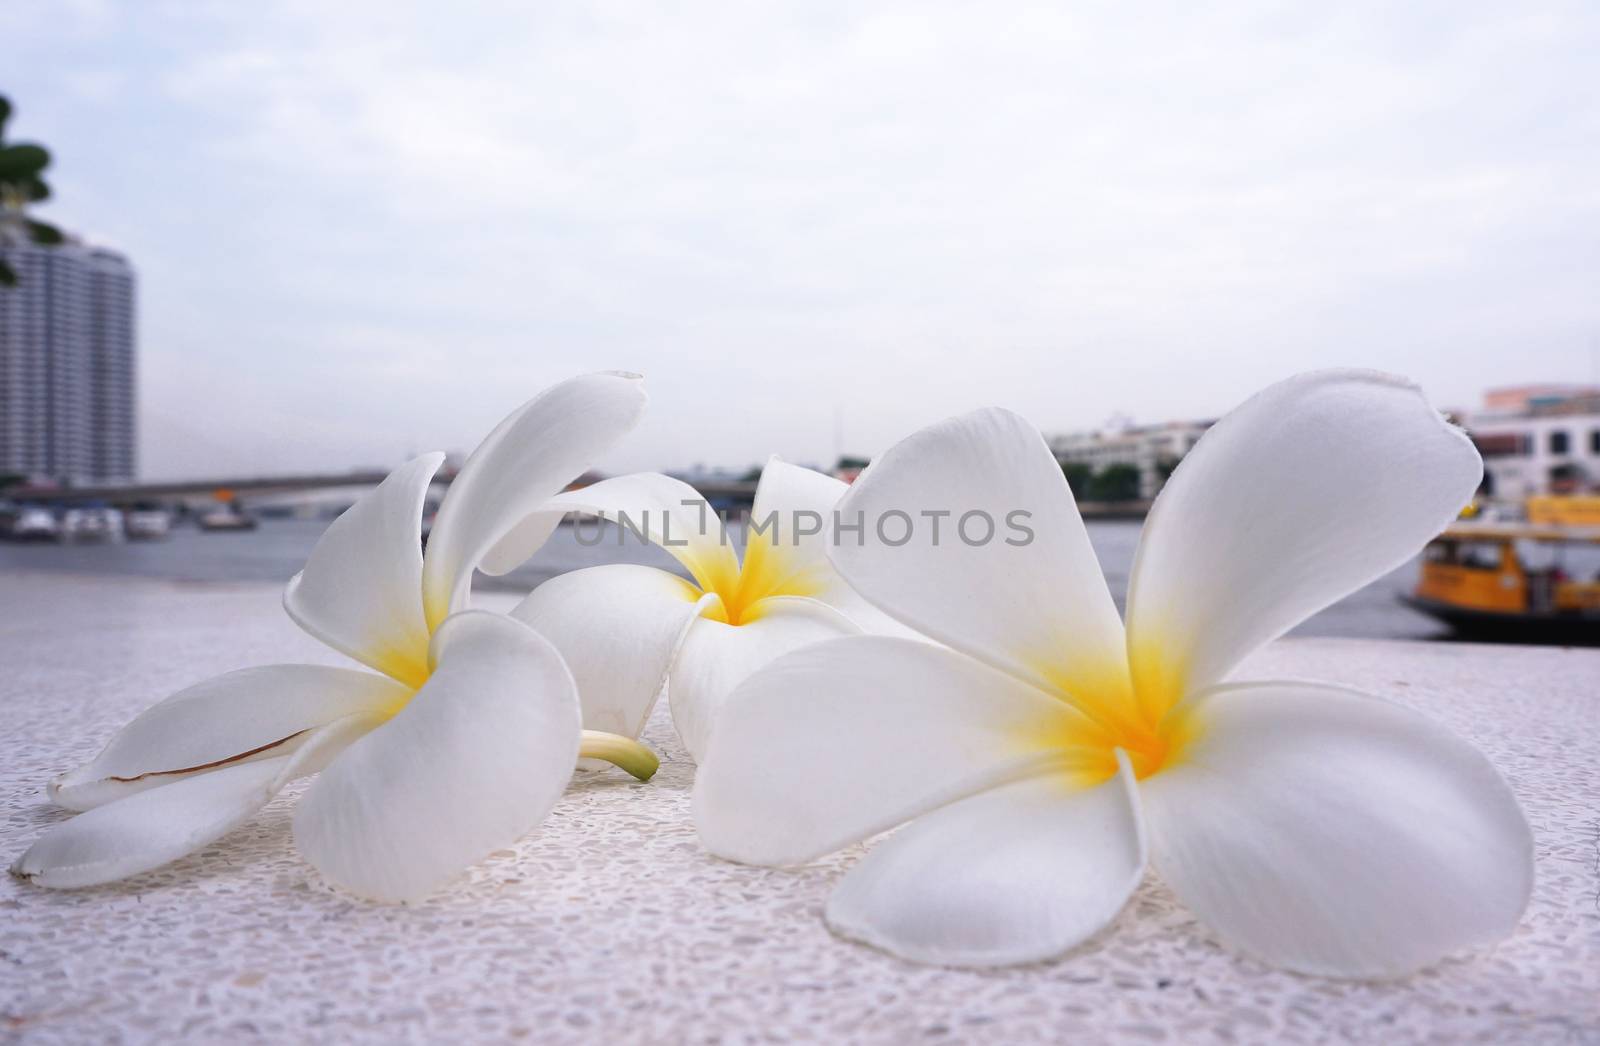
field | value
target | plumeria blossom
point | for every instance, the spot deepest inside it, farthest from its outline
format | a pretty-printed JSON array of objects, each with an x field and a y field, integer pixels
[
  {"x": 1047, "y": 752},
  {"x": 627, "y": 629},
  {"x": 457, "y": 745}
]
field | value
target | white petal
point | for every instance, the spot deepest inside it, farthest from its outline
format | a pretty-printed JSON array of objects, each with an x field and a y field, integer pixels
[
  {"x": 1017, "y": 874},
  {"x": 254, "y": 713},
  {"x": 786, "y": 489},
  {"x": 716, "y": 657},
  {"x": 665, "y": 512},
  {"x": 527, "y": 459},
  {"x": 1334, "y": 833},
  {"x": 840, "y": 740},
  {"x": 473, "y": 763},
  {"x": 155, "y": 827},
  {"x": 1306, "y": 492},
  {"x": 520, "y": 542},
  {"x": 790, "y": 525},
  {"x": 1034, "y": 606},
  {"x": 618, "y": 627},
  {"x": 786, "y": 544},
  {"x": 151, "y": 828},
  {"x": 361, "y": 589}
]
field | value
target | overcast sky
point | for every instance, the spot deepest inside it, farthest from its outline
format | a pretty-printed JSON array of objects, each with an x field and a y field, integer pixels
[{"x": 367, "y": 229}]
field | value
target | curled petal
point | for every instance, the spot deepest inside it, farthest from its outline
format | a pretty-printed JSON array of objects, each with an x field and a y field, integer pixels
[
  {"x": 717, "y": 657},
  {"x": 1334, "y": 833},
  {"x": 618, "y": 627},
  {"x": 666, "y": 512},
  {"x": 148, "y": 829},
  {"x": 841, "y": 740},
  {"x": 1309, "y": 490},
  {"x": 520, "y": 542},
  {"x": 361, "y": 589},
  {"x": 472, "y": 764},
  {"x": 525, "y": 461},
  {"x": 970, "y": 536},
  {"x": 1016, "y": 874},
  {"x": 252, "y": 714}
]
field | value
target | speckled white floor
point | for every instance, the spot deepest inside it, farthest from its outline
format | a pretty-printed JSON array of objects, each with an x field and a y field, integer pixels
[{"x": 610, "y": 925}]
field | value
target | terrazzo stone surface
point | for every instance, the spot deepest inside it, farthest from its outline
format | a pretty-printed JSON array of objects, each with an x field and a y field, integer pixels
[{"x": 609, "y": 924}]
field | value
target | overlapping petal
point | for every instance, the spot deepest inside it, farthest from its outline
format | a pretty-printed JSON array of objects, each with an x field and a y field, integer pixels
[
  {"x": 786, "y": 542},
  {"x": 525, "y": 461},
  {"x": 473, "y": 763},
  {"x": 252, "y": 714},
  {"x": 1019, "y": 873},
  {"x": 148, "y": 829},
  {"x": 717, "y": 657},
  {"x": 1028, "y": 597},
  {"x": 792, "y": 553},
  {"x": 840, "y": 740},
  {"x": 1334, "y": 833},
  {"x": 618, "y": 627},
  {"x": 665, "y": 512},
  {"x": 361, "y": 589},
  {"x": 1308, "y": 491}
]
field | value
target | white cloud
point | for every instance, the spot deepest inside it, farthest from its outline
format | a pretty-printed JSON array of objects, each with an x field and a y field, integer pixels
[{"x": 379, "y": 226}]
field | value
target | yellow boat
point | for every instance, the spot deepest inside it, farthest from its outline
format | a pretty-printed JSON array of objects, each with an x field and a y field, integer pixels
[{"x": 1533, "y": 581}]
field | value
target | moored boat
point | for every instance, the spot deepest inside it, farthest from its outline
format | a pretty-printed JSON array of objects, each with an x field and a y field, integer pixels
[
  {"x": 29, "y": 523},
  {"x": 227, "y": 516},
  {"x": 1526, "y": 582},
  {"x": 147, "y": 524},
  {"x": 96, "y": 523}
]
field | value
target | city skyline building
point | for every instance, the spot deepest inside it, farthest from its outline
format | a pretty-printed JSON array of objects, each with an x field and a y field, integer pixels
[
  {"x": 68, "y": 372},
  {"x": 1538, "y": 439},
  {"x": 1153, "y": 450}
]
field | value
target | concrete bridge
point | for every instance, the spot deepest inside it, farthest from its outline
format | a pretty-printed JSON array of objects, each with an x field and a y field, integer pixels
[
  {"x": 249, "y": 489},
  {"x": 724, "y": 494},
  {"x": 179, "y": 489}
]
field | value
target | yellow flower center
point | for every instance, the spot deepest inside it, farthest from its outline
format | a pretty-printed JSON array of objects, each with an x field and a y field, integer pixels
[
  {"x": 406, "y": 666},
  {"x": 768, "y": 569},
  {"x": 1144, "y": 721}
]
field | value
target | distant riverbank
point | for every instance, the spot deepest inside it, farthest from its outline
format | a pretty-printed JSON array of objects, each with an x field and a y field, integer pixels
[{"x": 278, "y": 548}]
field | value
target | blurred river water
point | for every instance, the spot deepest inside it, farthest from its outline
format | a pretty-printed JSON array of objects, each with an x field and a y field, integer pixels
[{"x": 278, "y": 548}]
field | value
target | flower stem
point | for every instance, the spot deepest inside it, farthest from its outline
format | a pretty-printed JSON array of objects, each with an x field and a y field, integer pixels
[{"x": 620, "y": 751}]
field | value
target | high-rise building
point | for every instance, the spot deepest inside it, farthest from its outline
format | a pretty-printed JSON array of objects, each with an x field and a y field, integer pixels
[{"x": 67, "y": 364}]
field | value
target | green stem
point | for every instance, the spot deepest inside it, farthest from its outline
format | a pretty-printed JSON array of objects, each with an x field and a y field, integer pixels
[{"x": 619, "y": 751}]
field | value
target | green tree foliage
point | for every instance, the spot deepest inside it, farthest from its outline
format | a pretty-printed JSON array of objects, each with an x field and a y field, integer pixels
[
  {"x": 1078, "y": 477},
  {"x": 22, "y": 166},
  {"x": 1114, "y": 483}
]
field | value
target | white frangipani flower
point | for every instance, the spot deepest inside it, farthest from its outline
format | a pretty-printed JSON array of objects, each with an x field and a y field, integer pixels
[
  {"x": 459, "y": 747},
  {"x": 1045, "y": 753},
  {"x": 624, "y": 629}
]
